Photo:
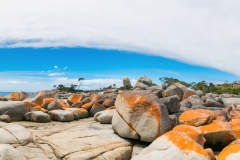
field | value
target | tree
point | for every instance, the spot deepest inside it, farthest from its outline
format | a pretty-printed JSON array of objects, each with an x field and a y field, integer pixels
[
  {"x": 61, "y": 87},
  {"x": 80, "y": 82},
  {"x": 168, "y": 81},
  {"x": 54, "y": 86},
  {"x": 114, "y": 85}
]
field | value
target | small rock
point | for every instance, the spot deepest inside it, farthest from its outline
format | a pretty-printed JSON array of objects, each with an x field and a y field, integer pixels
[
  {"x": 194, "y": 118},
  {"x": 5, "y": 118},
  {"x": 61, "y": 115}
]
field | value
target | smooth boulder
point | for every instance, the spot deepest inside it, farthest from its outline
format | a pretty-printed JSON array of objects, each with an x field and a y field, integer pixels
[
  {"x": 173, "y": 145},
  {"x": 143, "y": 113},
  {"x": 172, "y": 103}
]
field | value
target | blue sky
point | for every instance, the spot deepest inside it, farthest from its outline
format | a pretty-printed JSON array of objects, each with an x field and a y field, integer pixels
[
  {"x": 34, "y": 69},
  {"x": 45, "y": 43}
]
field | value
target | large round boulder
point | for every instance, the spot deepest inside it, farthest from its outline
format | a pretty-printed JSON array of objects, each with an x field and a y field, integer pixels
[
  {"x": 217, "y": 134},
  {"x": 173, "y": 145},
  {"x": 17, "y": 109},
  {"x": 173, "y": 90},
  {"x": 172, "y": 103},
  {"x": 143, "y": 113}
]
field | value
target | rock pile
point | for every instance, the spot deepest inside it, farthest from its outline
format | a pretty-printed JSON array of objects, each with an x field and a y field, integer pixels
[{"x": 147, "y": 122}]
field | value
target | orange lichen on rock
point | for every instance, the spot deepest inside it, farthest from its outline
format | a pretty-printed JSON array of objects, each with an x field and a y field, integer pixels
[
  {"x": 63, "y": 103},
  {"x": 188, "y": 92},
  {"x": 235, "y": 124},
  {"x": 207, "y": 111},
  {"x": 48, "y": 100},
  {"x": 29, "y": 104},
  {"x": 213, "y": 127},
  {"x": 139, "y": 104},
  {"x": 221, "y": 118},
  {"x": 39, "y": 99},
  {"x": 185, "y": 144},
  {"x": 15, "y": 96},
  {"x": 74, "y": 98},
  {"x": 112, "y": 107},
  {"x": 192, "y": 132},
  {"x": 88, "y": 106},
  {"x": 232, "y": 149},
  {"x": 194, "y": 118},
  {"x": 235, "y": 114},
  {"x": 218, "y": 134},
  {"x": 235, "y": 142}
]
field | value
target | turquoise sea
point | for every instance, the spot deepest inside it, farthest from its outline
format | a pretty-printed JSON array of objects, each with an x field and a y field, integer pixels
[{"x": 2, "y": 94}]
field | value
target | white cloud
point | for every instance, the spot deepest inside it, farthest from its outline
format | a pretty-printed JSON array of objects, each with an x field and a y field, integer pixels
[
  {"x": 15, "y": 82},
  {"x": 56, "y": 67},
  {"x": 64, "y": 68},
  {"x": 55, "y": 74},
  {"x": 202, "y": 32},
  {"x": 90, "y": 84},
  {"x": 168, "y": 71}
]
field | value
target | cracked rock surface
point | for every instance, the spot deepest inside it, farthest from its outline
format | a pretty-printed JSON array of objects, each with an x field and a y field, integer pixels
[{"x": 85, "y": 139}]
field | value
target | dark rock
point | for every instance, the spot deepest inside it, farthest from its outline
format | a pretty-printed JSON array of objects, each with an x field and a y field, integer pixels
[{"x": 172, "y": 103}]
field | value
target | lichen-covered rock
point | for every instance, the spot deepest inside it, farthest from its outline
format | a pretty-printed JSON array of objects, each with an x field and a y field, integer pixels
[
  {"x": 88, "y": 106},
  {"x": 172, "y": 103},
  {"x": 189, "y": 92},
  {"x": 38, "y": 99},
  {"x": 98, "y": 98},
  {"x": 54, "y": 105},
  {"x": 96, "y": 108},
  {"x": 195, "y": 118},
  {"x": 64, "y": 104},
  {"x": 235, "y": 124},
  {"x": 108, "y": 103},
  {"x": 74, "y": 98},
  {"x": 76, "y": 105},
  {"x": 18, "y": 96},
  {"x": 217, "y": 134},
  {"x": 78, "y": 112},
  {"x": 17, "y": 109},
  {"x": 173, "y": 145},
  {"x": 143, "y": 113},
  {"x": 122, "y": 128},
  {"x": 46, "y": 102},
  {"x": 192, "y": 132},
  {"x": 210, "y": 153},
  {"x": 231, "y": 152}
]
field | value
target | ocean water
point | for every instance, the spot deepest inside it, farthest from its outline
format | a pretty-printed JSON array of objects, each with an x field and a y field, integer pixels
[{"x": 2, "y": 94}]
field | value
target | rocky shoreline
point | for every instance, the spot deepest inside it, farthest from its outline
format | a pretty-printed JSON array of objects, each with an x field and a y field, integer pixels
[{"x": 148, "y": 122}]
